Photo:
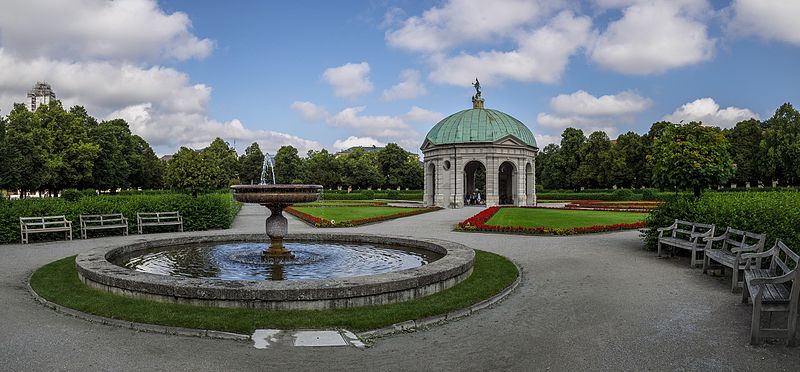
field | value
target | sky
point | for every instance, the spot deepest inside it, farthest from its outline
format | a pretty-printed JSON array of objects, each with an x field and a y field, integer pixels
[{"x": 334, "y": 74}]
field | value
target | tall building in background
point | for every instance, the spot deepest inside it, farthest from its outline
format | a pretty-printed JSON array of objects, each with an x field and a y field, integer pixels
[{"x": 40, "y": 94}]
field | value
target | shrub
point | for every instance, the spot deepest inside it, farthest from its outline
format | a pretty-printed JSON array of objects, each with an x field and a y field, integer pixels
[
  {"x": 392, "y": 194},
  {"x": 776, "y": 214},
  {"x": 71, "y": 194},
  {"x": 368, "y": 194},
  {"x": 622, "y": 194},
  {"x": 207, "y": 211}
]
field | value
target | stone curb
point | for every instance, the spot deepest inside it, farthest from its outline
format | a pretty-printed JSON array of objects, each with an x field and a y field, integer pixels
[
  {"x": 406, "y": 326},
  {"x": 139, "y": 327},
  {"x": 423, "y": 323}
]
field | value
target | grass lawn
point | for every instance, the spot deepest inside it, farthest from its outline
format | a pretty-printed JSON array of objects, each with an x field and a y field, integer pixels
[
  {"x": 349, "y": 213},
  {"x": 58, "y": 282},
  {"x": 560, "y": 218}
]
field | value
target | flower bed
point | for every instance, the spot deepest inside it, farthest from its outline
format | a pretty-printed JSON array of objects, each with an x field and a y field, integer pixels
[
  {"x": 478, "y": 223},
  {"x": 611, "y": 207},
  {"x": 322, "y": 222}
]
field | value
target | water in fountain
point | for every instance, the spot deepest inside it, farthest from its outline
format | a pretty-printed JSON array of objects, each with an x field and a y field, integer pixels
[{"x": 267, "y": 163}]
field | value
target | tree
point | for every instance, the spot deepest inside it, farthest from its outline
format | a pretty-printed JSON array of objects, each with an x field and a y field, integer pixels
[
  {"x": 572, "y": 141},
  {"x": 29, "y": 151},
  {"x": 745, "y": 140},
  {"x": 192, "y": 170},
  {"x": 146, "y": 169},
  {"x": 591, "y": 172},
  {"x": 552, "y": 173},
  {"x": 360, "y": 169},
  {"x": 625, "y": 164},
  {"x": 392, "y": 160},
  {"x": 250, "y": 164},
  {"x": 288, "y": 165},
  {"x": 223, "y": 157},
  {"x": 691, "y": 156},
  {"x": 781, "y": 145},
  {"x": 412, "y": 175},
  {"x": 322, "y": 168},
  {"x": 112, "y": 170}
]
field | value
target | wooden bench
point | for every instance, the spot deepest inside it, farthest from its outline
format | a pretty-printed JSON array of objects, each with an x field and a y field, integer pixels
[
  {"x": 775, "y": 289},
  {"x": 159, "y": 219},
  {"x": 102, "y": 221},
  {"x": 686, "y": 235},
  {"x": 31, "y": 225},
  {"x": 734, "y": 243}
]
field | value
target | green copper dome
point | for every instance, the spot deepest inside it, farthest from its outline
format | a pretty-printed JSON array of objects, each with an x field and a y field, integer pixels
[{"x": 479, "y": 125}]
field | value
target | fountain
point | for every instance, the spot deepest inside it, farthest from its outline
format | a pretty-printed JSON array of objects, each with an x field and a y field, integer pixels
[
  {"x": 321, "y": 271},
  {"x": 276, "y": 198}
]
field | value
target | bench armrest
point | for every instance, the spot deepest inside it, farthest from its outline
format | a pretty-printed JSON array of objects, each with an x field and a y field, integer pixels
[
  {"x": 773, "y": 279},
  {"x": 766, "y": 253},
  {"x": 743, "y": 249},
  {"x": 714, "y": 238}
]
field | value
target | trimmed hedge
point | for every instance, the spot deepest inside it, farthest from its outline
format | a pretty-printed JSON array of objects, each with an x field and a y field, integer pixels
[
  {"x": 205, "y": 212},
  {"x": 372, "y": 195},
  {"x": 776, "y": 214},
  {"x": 621, "y": 194}
]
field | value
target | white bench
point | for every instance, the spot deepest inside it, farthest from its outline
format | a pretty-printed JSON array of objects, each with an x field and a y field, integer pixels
[
  {"x": 102, "y": 221},
  {"x": 159, "y": 219},
  {"x": 45, "y": 224},
  {"x": 734, "y": 243},
  {"x": 686, "y": 235},
  {"x": 775, "y": 289}
]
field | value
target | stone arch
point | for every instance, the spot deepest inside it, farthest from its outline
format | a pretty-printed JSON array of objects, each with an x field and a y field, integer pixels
[
  {"x": 506, "y": 182},
  {"x": 530, "y": 185},
  {"x": 430, "y": 185},
  {"x": 475, "y": 182}
]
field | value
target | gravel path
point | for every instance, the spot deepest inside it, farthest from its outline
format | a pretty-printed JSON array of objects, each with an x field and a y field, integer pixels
[{"x": 592, "y": 302}]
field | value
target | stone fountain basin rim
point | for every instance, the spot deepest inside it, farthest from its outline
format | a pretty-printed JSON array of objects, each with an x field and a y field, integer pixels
[
  {"x": 268, "y": 187},
  {"x": 95, "y": 266}
]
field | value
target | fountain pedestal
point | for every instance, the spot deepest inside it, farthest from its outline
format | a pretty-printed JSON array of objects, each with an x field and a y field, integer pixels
[
  {"x": 277, "y": 227},
  {"x": 276, "y": 198}
]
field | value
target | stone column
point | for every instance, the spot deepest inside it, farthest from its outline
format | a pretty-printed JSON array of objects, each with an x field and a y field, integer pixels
[
  {"x": 520, "y": 174},
  {"x": 492, "y": 197},
  {"x": 534, "y": 181}
]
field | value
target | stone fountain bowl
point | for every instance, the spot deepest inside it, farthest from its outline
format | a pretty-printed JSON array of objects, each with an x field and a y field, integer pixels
[{"x": 276, "y": 194}]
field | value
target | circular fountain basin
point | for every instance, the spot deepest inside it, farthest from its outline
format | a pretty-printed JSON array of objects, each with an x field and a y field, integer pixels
[
  {"x": 276, "y": 194},
  {"x": 96, "y": 268}
]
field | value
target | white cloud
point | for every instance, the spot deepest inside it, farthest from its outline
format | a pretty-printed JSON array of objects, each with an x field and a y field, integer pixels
[
  {"x": 769, "y": 19},
  {"x": 409, "y": 87},
  {"x": 310, "y": 111},
  {"x": 100, "y": 55},
  {"x": 543, "y": 140},
  {"x": 458, "y": 21},
  {"x": 421, "y": 115},
  {"x": 708, "y": 111},
  {"x": 583, "y": 103},
  {"x": 86, "y": 29},
  {"x": 541, "y": 56},
  {"x": 166, "y": 131},
  {"x": 349, "y": 80},
  {"x": 356, "y": 141},
  {"x": 102, "y": 86},
  {"x": 655, "y": 36},
  {"x": 380, "y": 126}
]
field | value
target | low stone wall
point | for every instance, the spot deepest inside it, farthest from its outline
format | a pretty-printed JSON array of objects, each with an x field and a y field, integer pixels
[{"x": 95, "y": 269}]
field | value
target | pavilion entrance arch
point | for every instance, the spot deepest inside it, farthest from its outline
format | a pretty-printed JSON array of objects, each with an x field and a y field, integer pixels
[
  {"x": 506, "y": 180},
  {"x": 474, "y": 183},
  {"x": 430, "y": 185}
]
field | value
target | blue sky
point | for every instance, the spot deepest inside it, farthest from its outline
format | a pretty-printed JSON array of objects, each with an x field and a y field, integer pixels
[{"x": 328, "y": 74}]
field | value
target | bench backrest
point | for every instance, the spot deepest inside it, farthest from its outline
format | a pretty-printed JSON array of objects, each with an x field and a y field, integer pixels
[
  {"x": 43, "y": 222},
  {"x": 158, "y": 217},
  {"x": 102, "y": 219},
  {"x": 783, "y": 260},
  {"x": 685, "y": 229},
  {"x": 747, "y": 241}
]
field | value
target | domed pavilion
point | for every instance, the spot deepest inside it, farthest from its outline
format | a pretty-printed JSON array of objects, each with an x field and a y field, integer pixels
[{"x": 479, "y": 156}]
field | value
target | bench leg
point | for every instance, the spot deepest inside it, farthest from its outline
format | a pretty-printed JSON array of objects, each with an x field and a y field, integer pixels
[
  {"x": 791, "y": 326},
  {"x": 745, "y": 293},
  {"x": 755, "y": 325},
  {"x": 734, "y": 278},
  {"x": 705, "y": 264},
  {"x": 659, "y": 249}
]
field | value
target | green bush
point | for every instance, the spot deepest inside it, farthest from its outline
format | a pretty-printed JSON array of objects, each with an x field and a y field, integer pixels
[
  {"x": 208, "y": 211},
  {"x": 623, "y": 194},
  {"x": 776, "y": 214},
  {"x": 393, "y": 194},
  {"x": 368, "y": 194},
  {"x": 71, "y": 194}
]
